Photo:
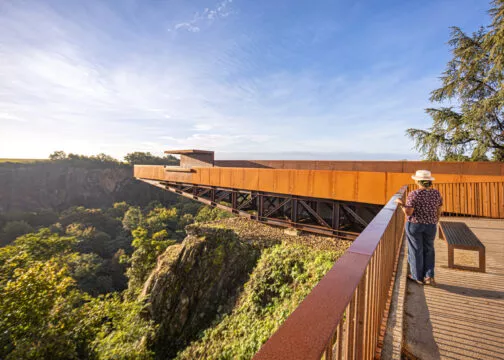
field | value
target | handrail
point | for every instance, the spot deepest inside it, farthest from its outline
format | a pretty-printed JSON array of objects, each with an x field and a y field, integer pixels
[{"x": 341, "y": 318}]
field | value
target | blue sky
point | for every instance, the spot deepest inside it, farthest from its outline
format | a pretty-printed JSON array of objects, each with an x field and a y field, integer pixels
[{"x": 328, "y": 79}]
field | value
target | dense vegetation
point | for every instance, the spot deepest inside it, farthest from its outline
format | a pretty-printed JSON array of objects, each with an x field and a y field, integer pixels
[
  {"x": 64, "y": 279},
  {"x": 70, "y": 282},
  {"x": 101, "y": 159},
  {"x": 474, "y": 129},
  {"x": 133, "y": 158}
]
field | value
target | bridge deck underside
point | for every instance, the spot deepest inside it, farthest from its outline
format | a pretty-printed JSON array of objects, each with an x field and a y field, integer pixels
[{"x": 323, "y": 216}]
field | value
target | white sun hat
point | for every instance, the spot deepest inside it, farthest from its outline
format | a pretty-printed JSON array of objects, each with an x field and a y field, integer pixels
[{"x": 422, "y": 175}]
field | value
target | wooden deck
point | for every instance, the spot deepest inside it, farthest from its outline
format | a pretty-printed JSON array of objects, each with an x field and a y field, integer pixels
[{"x": 463, "y": 317}]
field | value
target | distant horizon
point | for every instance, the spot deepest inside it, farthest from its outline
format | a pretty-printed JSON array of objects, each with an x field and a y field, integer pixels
[{"x": 294, "y": 155}]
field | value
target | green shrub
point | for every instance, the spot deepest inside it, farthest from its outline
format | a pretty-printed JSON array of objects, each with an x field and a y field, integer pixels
[
  {"x": 40, "y": 314},
  {"x": 207, "y": 213},
  {"x": 284, "y": 275}
]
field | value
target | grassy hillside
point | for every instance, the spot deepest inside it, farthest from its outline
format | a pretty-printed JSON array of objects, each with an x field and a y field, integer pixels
[
  {"x": 21, "y": 161},
  {"x": 288, "y": 268}
]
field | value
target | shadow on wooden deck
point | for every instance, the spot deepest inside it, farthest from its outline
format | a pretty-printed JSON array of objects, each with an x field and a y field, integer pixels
[{"x": 463, "y": 317}]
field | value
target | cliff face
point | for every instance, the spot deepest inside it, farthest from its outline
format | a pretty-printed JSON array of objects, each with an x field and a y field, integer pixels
[
  {"x": 193, "y": 283},
  {"x": 228, "y": 286},
  {"x": 31, "y": 187}
]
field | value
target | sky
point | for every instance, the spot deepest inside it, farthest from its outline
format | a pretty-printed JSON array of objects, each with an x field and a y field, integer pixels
[{"x": 249, "y": 79}]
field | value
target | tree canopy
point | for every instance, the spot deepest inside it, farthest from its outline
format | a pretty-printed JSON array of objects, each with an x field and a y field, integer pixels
[
  {"x": 146, "y": 158},
  {"x": 60, "y": 285},
  {"x": 76, "y": 159},
  {"x": 473, "y": 128}
]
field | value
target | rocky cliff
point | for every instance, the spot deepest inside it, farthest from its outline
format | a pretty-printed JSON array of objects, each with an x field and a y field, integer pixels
[
  {"x": 59, "y": 185},
  {"x": 227, "y": 287},
  {"x": 194, "y": 282}
]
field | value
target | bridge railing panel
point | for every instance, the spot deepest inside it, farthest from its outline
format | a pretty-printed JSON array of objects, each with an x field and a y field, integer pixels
[
  {"x": 464, "y": 194},
  {"x": 342, "y": 317},
  {"x": 481, "y": 199}
]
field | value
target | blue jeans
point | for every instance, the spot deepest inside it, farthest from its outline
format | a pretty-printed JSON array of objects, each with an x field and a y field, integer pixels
[{"x": 421, "y": 249}]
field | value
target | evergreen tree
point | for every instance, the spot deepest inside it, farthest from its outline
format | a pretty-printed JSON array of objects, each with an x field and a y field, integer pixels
[{"x": 473, "y": 79}]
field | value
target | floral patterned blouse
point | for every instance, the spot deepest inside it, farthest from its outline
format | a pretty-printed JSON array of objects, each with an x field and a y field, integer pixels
[{"x": 425, "y": 203}]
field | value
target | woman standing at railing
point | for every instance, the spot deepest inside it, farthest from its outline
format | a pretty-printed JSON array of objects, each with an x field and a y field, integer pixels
[{"x": 423, "y": 208}]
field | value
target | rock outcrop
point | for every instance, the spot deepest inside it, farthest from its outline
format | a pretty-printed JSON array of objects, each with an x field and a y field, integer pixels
[{"x": 195, "y": 282}]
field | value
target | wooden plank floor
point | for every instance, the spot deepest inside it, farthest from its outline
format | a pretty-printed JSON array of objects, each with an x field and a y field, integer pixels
[{"x": 463, "y": 317}]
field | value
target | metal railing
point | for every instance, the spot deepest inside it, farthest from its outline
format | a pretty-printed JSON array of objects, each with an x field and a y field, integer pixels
[
  {"x": 343, "y": 316},
  {"x": 482, "y": 199}
]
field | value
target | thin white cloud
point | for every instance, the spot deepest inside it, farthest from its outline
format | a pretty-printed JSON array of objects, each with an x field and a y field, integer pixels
[
  {"x": 220, "y": 10},
  {"x": 187, "y": 26},
  {"x": 79, "y": 88}
]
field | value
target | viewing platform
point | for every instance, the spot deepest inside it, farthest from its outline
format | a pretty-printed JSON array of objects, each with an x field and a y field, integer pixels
[
  {"x": 356, "y": 311},
  {"x": 463, "y": 317}
]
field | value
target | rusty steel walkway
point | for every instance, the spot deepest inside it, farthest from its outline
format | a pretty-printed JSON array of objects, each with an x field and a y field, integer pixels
[
  {"x": 463, "y": 317},
  {"x": 336, "y": 198}
]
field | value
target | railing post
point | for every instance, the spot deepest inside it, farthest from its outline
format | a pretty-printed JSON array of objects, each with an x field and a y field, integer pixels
[
  {"x": 360, "y": 329},
  {"x": 350, "y": 328}
]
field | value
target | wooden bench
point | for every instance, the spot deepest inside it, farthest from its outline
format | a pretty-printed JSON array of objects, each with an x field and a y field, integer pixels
[{"x": 458, "y": 236}]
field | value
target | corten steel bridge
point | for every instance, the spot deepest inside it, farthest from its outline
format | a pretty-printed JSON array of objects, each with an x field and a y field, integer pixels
[
  {"x": 337, "y": 198},
  {"x": 344, "y": 316}
]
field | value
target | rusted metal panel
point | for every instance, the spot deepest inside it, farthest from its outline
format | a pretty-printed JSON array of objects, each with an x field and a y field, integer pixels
[
  {"x": 377, "y": 166},
  {"x": 500, "y": 200},
  {"x": 181, "y": 177},
  {"x": 148, "y": 171},
  {"x": 251, "y": 179},
  {"x": 394, "y": 181},
  {"x": 189, "y": 151},
  {"x": 371, "y": 187},
  {"x": 240, "y": 163},
  {"x": 480, "y": 168},
  {"x": 159, "y": 173},
  {"x": 301, "y": 182},
  {"x": 238, "y": 178},
  {"x": 366, "y": 187},
  {"x": 283, "y": 182},
  {"x": 197, "y": 160},
  {"x": 265, "y": 179},
  {"x": 344, "y": 185},
  {"x": 475, "y": 178},
  {"x": 322, "y": 183},
  {"x": 443, "y": 167},
  {"x": 205, "y": 176},
  {"x": 337, "y": 165}
]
